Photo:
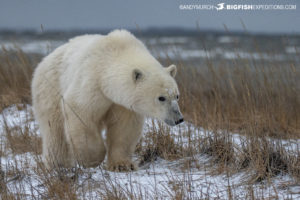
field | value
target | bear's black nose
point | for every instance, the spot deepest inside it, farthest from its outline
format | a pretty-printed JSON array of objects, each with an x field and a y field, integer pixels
[{"x": 179, "y": 121}]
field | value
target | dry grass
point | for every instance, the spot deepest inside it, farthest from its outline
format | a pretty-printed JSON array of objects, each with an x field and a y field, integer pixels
[
  {"x": 159, "y": 143},
  {"x": 256, "y": 100},
  {"x": 16, "y": 70}
]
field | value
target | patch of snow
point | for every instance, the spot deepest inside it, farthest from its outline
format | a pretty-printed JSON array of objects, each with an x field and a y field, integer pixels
[
  {"x": 163, "y": 47},
  {"x": 167, "y": 40},
  {"x": 186, "y": 54},
  {"x": 18, "y": 116},
  {"x": 226, "y": 39},
  {"x": 292, "y": 49},
  {"x": 43, "y": 47},
  {"x": 196, "y": 133},
  {"x": 156, "y": 179}
]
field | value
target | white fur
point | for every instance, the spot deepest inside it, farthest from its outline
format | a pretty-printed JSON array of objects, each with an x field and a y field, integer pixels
[{"x": 87, "y": 85}]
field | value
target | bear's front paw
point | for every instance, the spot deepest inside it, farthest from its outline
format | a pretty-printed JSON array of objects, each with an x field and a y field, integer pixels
[{"x": 123, "y": 166}]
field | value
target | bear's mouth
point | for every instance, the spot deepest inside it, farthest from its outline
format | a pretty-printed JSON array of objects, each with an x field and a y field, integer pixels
[
  {"x": 173, "y": 122},
  {"x": 179, "y": 121}
]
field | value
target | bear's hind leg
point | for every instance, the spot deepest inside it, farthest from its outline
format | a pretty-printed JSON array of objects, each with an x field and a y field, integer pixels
[{"x": 124, "y": 129}]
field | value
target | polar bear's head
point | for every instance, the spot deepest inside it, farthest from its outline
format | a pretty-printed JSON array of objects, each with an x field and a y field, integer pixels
[
  {"x": 157, "y": 95},
  {"x": 134, "y": 79}
]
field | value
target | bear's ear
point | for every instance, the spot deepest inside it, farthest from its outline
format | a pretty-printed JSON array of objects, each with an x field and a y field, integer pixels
[
  {"x": 137, "y": 75},
  {"x": 172, "y": 69}
]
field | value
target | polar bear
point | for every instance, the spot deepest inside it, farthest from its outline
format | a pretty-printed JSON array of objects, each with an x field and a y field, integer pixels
[{"x": 95, "y": 83}]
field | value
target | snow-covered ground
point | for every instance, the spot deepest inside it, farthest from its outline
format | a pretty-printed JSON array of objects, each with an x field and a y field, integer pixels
[
  {"x": 159, "y": 179},
  {"x": 164, "y": 47}
]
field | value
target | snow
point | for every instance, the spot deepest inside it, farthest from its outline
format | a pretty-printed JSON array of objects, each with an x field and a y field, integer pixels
[
  {"x": 164, "y": 47},
  {"x": 196, "y": 133},
  {"x": 18, "y": 116},
  {"x": 183, "y": 53},
  {"x": 226, "y": 39},
  {"x": 292, "y": 49},
  {"x": 155, "y": 179},
  {"x": 43, "y": 47},
  {"x": 167, "y": 40}
]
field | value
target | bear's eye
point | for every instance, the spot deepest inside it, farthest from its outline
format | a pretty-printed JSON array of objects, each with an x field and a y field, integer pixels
[
  {"x": 177, "y": 97},
  {"x": 161, "y": 98}
]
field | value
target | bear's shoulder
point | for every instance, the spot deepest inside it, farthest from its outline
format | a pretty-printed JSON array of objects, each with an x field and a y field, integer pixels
[
  {"x": 123, "y": 38},
  {"x": 121, "y": 33}
]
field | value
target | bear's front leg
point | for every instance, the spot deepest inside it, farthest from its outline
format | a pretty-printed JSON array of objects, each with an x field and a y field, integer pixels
[
  {"x": 124, "y": 129},
  {"x": 84, "y": 137}
]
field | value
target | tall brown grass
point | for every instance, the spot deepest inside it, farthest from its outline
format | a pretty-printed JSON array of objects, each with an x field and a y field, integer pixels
[
  {"x": 16, "y": 70},
  {"x": 252, "y": 100}
]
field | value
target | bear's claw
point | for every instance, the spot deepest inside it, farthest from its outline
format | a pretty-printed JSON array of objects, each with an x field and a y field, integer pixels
[{"x": 122, "y": 167}]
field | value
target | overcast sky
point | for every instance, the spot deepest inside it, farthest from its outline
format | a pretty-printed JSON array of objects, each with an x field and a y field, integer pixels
[{"x": 109, "y": 14}]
